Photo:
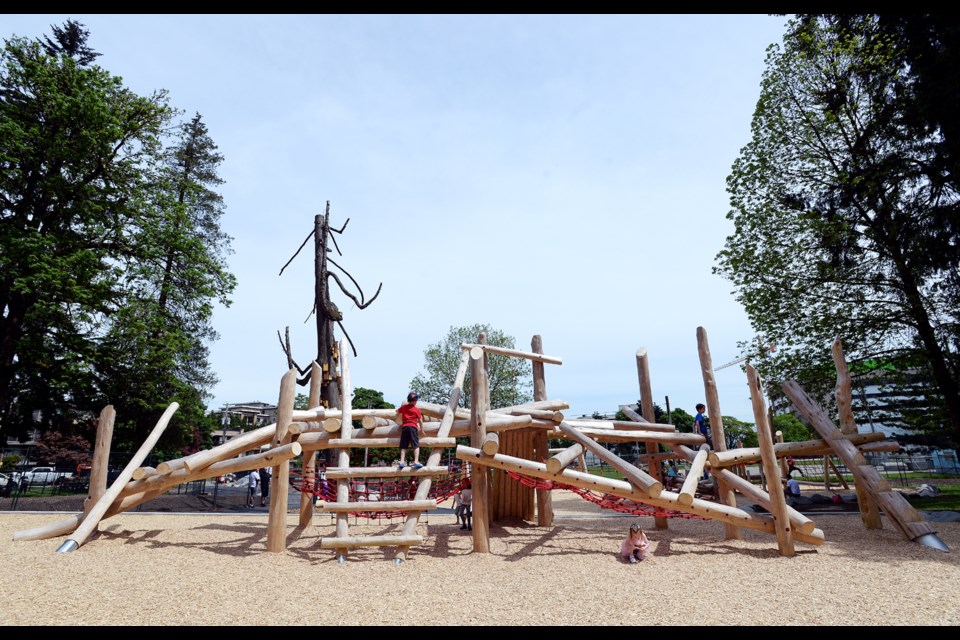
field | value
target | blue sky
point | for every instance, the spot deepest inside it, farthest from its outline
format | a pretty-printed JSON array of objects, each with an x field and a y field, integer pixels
[{"x": 555, "y": 175}]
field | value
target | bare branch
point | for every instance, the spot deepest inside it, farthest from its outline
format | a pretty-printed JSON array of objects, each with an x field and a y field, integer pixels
[
  {"x": 336, "y": 246},
  {"x": 288, "y": 351},
  {"x": 348, "y": 338},
  {"x": 298, "y": 251},
  {"x": 360, "y": 305},
  {"x": 340, "y": 230},
  {"x": 312, "y": 311},
  {"x": 356, "y": 283}
]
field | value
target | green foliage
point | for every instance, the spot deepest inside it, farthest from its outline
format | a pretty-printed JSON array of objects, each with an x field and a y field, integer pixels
[
  {"x": 745, "y": 432},
  {"x": 846, "y": 219},
  {"x": 364, "y": 398},
  {"x": 792, "y": 428},
  {"x": 510, "y": 378},
  {"x": 111, "y": 255},
  {"x": 9, "y": 462},
  {"x": 682, "y": 420},
  {"x": 301, "y": 402}
]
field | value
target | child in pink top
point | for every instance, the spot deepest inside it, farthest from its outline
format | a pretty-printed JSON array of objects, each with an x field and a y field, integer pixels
[{"x": 636, "y": 547}]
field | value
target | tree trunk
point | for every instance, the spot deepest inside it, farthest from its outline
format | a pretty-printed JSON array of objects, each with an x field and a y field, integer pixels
[
  {"x": 946, "y": 382},
  {"x": 327, "y": 313}
]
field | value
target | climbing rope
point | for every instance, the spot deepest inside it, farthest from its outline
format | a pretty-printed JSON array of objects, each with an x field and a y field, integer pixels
[
  {"x": 375, "y": 490},
  {"x": 605, "y": 500},
  {"x": 444, "y": 487}
]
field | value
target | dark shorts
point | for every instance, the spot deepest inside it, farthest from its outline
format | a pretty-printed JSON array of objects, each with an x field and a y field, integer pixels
[{"x": 409, "y": 437}]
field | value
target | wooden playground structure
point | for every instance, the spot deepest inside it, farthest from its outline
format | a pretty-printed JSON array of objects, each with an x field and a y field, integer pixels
[{"x": 512, "y": 467}]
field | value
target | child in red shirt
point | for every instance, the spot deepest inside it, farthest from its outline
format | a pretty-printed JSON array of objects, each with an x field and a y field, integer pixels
[{"x": 411, "y": 426}]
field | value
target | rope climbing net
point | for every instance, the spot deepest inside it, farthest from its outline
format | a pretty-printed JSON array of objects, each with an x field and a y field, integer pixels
[
  {"x": 375, "y": 490},
  {"x": 444, "y": 487},
  {"x": 604, "y": 500}
]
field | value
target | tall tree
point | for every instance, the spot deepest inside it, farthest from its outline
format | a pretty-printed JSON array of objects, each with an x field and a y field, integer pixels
[
  {"x": 73, "y": 145},
  {"x": 510, "y": 378},
  {"x": 845, "y": 220},
  {"x": 157, "y": 348}
]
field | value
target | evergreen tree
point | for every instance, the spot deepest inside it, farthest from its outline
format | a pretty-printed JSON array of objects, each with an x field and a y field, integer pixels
[{"x": 73, "y": 146}]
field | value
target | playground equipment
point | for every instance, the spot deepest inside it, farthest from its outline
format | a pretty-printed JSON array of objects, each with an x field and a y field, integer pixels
[{"x": 512, "y": 468}]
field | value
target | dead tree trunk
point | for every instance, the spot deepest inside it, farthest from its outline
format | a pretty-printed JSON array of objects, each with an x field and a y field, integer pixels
[{"x": 328, "y": 355}]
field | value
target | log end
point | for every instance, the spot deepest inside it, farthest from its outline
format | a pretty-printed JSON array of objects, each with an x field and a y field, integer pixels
[
  {"x": 368, "y": 422},
  {"x": 331, "y": 425},
  {"x": 806, "y": 528},
  {"x": 685, "y": 499}
]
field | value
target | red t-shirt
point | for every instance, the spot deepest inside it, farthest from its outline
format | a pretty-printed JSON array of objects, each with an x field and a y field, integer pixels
[{"x": 410, "y": 415}]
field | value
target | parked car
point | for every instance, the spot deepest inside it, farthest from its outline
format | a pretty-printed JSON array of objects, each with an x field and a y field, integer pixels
[
  {"x": 4, "y": 479},
  {"x": 42, "y": 475}
]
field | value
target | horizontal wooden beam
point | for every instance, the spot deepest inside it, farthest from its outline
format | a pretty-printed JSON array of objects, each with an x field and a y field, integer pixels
[
  {"x": 610, "y": 435},
  {"x": 336, "y": 473},
  {"x": 365, "y": 443},
  {"x": 784, "y": 449},
  {"x": 373, "y": 505},
  {"x": 528, "y": 355},
  {"x": 621, "y": 425},
  {"x": 369, "y": 541}
]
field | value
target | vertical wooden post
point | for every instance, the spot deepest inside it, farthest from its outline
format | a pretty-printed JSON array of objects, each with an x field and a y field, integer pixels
[
  {"x": 277, "y": 519},
  {"x": 541, "y": 443},
  {"x": 826, "y": 472},
  {"x": 100, "y": 465},
  {"x": 778, "y": 502},
  {"x": 343, "y": 455},
  {"x": 784, "y": 467},
  {"x": 646, "y": 401},
  {"x": 869, "y": 512},
  {"x": 480, "y": 476},
  {"x": 310, "y": 457},
  {"x": 719, "y": 438}
]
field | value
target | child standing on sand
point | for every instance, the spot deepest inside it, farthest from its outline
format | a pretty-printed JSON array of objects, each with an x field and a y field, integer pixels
[{"x": 636, "y": 547}]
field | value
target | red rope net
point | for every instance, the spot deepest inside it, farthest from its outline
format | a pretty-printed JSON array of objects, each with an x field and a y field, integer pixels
[
  {"x": 605, "y": 500},
  {"x": 444, "y": 487},
  {"x": 375, "y": 490}
]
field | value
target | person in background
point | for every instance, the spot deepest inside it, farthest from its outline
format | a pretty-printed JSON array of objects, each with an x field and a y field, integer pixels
[
  {"x": 700, "y": 426},
  {"x": 252, "y": 481},
  {"x": 792, "y": 488},
  {"x": 673, "y": 478},
  {"x": 466, "y": 508},
  {"x": 457, "y": 505},
  {"x": 265, "y": 474}
]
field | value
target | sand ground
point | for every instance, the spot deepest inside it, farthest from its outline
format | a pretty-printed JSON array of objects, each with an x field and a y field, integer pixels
[{"x": 212, "y": 569}]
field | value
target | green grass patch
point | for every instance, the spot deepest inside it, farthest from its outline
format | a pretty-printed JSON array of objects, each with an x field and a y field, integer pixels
[{"x": 948, "y": 500}]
